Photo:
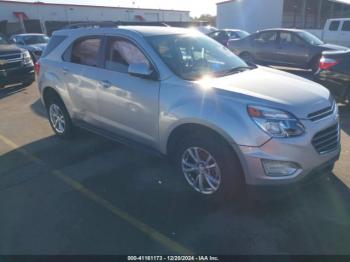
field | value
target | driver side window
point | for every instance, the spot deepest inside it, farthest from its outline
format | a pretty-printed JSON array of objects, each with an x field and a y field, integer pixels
[{"x": 121, "y": 53}]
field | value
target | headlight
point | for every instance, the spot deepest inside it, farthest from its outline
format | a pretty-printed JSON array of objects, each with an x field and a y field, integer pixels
[
  {"x": 276, "y": 123},
  {"x": 26, "y": 58}
]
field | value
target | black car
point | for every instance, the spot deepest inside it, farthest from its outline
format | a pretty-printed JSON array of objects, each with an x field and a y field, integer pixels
[
  {"x": 224, "y": 35},
  {"x": 16, "y": 65},
  {"x": 334, "y": 73},
  {"x": 282, "y": 47}
]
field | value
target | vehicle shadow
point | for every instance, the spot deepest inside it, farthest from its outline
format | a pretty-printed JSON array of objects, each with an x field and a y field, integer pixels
[
  {"x": 11, "y": 90},
  {"x": 38, "y": 108},
  {"x": 312, "y": 218}
]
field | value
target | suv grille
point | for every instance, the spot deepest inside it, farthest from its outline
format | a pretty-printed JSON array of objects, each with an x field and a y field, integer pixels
[
  {"x": 318, "y": 115},
  {"x": 327, "y": 140},
  {"x": 10, "y": 56},
  {"x": 11, "y": 65}
]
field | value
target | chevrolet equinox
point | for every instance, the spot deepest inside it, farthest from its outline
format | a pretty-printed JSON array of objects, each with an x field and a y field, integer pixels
[{"x": 224, "y": 122}]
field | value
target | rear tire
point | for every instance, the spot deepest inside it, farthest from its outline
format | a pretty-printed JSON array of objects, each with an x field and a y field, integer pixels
[
  {"x": 59, "y": 118},
  {"x": 223, "y": 181}
]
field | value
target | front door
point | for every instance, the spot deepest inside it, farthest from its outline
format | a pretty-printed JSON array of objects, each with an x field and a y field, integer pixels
[{"x": 128, "y": 105}]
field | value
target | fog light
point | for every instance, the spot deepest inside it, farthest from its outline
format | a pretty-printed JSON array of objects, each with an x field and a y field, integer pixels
[{"x": 279, "y": 168}]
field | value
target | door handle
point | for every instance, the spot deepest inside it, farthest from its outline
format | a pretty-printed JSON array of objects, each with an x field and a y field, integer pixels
[{"x": 105, "y": 84}]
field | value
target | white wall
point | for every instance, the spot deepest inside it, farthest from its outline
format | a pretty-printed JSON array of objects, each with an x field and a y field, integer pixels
[
  {"x": 250, "y": 15},
  {"x": 46, "y": 12}
]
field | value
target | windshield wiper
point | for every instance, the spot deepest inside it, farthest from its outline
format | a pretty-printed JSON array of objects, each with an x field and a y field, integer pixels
[{"x": 235, "y": 70}]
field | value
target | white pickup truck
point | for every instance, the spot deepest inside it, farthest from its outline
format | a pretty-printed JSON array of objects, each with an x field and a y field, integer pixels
[{"x": 337, "y": 31}]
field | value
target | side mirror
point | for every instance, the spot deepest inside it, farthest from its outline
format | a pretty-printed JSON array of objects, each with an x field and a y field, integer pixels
[{"x": 140, "y": 70}]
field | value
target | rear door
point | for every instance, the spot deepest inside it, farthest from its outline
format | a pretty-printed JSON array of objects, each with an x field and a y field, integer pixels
[
  {"x": 344, "y": 36},
  {"x": 264, "y": 46},
  {"x": 78, "y": 72},
  {"x": 292, "y": 50}
]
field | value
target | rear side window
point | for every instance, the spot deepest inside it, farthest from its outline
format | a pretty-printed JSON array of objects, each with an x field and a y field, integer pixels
[
  {"x": 85, "y": 51},
  {"x": 334, "y": 25},
  {"x": 346, "y": 26},
  {"x": 53, "y": 43},
  {"x": 267, "y": 37}
]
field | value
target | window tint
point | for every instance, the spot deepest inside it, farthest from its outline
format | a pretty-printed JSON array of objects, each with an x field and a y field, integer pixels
[
  {"x": 53, "y": 43},
  {"x": 285, "y": 37},
  {"x": 232, "y": 34},
  {"x": 290, "y": 38},
  {"x": 267, "y": 37},
  {"x": 85, "y": 51},
  {"x": 121, "y": 53},
  {"x": 334, "y": 26},
  {"x": 346, "y": 26}
]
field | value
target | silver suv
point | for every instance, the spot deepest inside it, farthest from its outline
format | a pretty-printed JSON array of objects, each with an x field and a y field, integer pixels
[{"x": 225, "y": 123}]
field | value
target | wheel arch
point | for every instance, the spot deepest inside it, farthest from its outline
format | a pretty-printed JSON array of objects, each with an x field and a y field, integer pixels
[{"x": 183, "y": 128}]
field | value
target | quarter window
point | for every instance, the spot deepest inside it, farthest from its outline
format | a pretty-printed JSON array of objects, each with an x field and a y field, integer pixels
[
  {"x": 86, "y": 51},
  {"x": 346, "y": 26},
  {"x": 121, "y": 53},
  {"x": 334, "y": 26}
]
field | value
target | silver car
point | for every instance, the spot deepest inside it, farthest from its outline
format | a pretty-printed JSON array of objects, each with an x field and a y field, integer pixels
[{"x": 180, "y": 93}]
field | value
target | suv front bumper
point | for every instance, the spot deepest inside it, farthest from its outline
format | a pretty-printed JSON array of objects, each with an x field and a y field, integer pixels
[
  {"x": 297, "y": 150},
  {"x": 17, "y": 75}
]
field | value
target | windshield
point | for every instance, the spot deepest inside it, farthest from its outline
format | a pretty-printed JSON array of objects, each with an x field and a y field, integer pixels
[
  {"x": 35, "y": 39},
  {"x": 3, "y": 40},
  {"x": 310, "y": 38},
  {"x": 192, "y": 57}
]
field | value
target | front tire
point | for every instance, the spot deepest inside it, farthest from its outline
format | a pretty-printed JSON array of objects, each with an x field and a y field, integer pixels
[
  {"x": 59, "y": 118},
  {"x": 209, "y": 166}
]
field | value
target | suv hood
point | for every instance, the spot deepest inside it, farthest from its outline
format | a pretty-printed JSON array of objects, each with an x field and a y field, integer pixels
[
  {"x": 274, "y": 88},
  {"x": 9, "y": 49}
]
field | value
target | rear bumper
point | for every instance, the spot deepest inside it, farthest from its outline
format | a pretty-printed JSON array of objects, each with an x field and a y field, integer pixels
[{"x": 17, "y": 75}]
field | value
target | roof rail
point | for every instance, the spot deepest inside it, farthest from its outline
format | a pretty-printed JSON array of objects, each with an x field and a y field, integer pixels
[{"x": 91, "y": 25}]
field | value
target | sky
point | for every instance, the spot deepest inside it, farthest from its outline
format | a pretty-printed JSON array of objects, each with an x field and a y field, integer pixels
[{"x": 197, "y": 7}]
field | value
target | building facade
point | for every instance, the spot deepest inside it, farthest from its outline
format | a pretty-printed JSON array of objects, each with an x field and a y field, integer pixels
[
  {"x": 16, "y": 13},
  {"x": 253, "y": 15}
]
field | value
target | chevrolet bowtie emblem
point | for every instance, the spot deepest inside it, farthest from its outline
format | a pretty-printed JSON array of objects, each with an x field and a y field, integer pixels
[{"x": 2, "y": 62}]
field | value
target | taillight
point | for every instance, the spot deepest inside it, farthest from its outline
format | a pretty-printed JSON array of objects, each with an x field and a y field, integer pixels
[
  {"x": 327, "y": 63},
  {"x": 37, "y": 67}
]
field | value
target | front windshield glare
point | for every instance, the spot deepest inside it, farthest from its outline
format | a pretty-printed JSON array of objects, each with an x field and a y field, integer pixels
[
  {"x": 35, "y": 39},
  {"x": 192, "y": 57},
  {"x": 310, "y": 38}
]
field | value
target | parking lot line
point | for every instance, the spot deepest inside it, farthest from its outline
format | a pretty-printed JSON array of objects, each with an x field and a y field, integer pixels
[{"x": 148, "y": 230}]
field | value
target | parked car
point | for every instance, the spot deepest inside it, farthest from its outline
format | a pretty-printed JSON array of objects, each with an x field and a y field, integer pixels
[
  {"x": 282, "y": 47},
  {"x": 182, "y": 94},
  {"x": 206, "y": 29},
  {"x": 34, "y": 43},
  {"x": 224, "y": 35},
  {"x": 334, "y": 73},
  {"x": 16, "y": 66},
  {"x": 337, "y": 31}
]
